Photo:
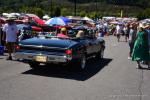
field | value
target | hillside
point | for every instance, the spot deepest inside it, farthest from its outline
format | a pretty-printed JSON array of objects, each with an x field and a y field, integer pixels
[{"x": 89, "y": 8}]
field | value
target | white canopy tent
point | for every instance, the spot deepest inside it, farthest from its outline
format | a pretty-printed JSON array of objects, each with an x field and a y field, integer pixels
[
  {"x": 46, "y": 17},
  {"x": 87, "y": 19}
]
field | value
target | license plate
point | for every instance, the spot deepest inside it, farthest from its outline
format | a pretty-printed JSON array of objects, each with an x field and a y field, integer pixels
[
  {"x": 50, "y": 58},
  {"x": 41, "y": 58}
]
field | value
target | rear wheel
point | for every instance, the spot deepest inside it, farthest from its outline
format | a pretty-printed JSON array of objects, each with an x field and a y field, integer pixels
[
  {"x": 100, "y": 54},
  {"x": 82, "y": 63},
  {"x": 34, "y": 65}
]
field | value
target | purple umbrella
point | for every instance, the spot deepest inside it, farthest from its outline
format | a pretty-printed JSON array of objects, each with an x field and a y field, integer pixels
[{"x": 65, "y": 19}]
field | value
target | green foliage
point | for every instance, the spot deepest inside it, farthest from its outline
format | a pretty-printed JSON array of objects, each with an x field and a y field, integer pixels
[
  {"x": 82, "y": 13},
  {"x": 144, "y": 14},
  {"x": 34, "y": 10},
  {"x": 39, "y": 12},
  {"x": 141, "y": 3},
  {"x": 65, "y": 12},
  {"x": 24, "y": 9},
  {"x": 92, "y": 15},
  {"x": 57, "y": 12},
  {"x": 84, "y": 7}
]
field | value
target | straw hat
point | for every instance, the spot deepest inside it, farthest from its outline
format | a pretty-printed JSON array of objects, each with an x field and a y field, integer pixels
[
  {"x": 143, "y": 25},
  {"x": 146, "y": 26}
]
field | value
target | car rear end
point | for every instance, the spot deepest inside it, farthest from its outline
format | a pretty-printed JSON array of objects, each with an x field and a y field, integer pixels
[{"x": 44, "y": 52}]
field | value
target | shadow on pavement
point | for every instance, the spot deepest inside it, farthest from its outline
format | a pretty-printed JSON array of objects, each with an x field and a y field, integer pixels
[
  {"x": 144, "y": 68},
  {"x": 93, "y": 67}
]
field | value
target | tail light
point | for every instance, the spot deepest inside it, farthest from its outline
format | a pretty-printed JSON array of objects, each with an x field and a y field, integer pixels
[
  {"x": 69, "y": 52},
  {"x": 17, "y": 47}
]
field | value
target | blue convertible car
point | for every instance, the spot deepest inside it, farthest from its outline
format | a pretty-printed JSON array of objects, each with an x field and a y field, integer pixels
[{"x": 51, "y": 49}]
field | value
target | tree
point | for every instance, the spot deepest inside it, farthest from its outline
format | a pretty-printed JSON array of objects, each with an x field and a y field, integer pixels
[
  {"x": 39, "y": 12},
  {"x": 82, "y": 13},
  {"x": 57, "y": 12},
  {"x": 65, "y": 12},
  {"x": 144, "y": 14}
]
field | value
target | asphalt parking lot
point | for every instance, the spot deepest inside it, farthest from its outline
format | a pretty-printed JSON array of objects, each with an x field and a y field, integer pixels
[{"x": 113, "y": 78}]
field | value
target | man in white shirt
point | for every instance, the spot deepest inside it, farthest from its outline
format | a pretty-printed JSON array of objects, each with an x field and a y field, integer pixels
[
  {"x": 118, "y": 32},
  {"x": 10, "y": 30}
]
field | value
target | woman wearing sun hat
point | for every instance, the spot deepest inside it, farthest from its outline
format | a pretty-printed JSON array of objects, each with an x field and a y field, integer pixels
[
  {"x": 63, "y": 33},
  {"x": 141, "y": 47}
]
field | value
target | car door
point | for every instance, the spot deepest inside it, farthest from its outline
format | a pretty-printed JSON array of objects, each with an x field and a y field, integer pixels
[
  {"x": 97, "y": 45},
  {"x": 91, "y": 46}
]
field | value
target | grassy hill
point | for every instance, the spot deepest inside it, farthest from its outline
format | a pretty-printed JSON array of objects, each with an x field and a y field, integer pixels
[{"x": 89, "y": 8}]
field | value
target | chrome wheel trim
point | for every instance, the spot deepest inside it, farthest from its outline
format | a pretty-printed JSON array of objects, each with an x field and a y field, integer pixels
[
  {"x": 102, "y": 54},
  {"x": 83, "y": 62}
]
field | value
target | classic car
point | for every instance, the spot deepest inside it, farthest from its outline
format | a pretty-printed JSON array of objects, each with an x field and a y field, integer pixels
[{"x": 52, "y": 49}]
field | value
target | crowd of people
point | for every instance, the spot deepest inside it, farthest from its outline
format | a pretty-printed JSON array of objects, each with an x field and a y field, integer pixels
[
  {"x": 136, "y": 33},
  {"x": 11, "y": 33}
]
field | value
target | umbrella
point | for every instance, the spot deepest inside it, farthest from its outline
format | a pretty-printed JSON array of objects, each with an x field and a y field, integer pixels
[
  {"x": 23, "y": 27},
  {"x": 87, "y": 19},
  {"x": 46, "y": 17},
  {"x": 65, "y": 19},
  {"x": 59, "y": 27},
  {"x": 37, "y": 29},
  {"x": 2, "y": 20},
  {"x": 82, "y": 27},
  {"x": 19, "y": 21},
  {"x": 39, "y": 21},
  {"x": 56, "y": 21},
  {"x": 32, "y": 16},
  {"x": 114, "y": 22}
]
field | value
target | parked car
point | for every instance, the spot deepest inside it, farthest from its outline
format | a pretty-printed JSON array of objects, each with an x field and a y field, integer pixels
[{"x": 52, "y": 49}]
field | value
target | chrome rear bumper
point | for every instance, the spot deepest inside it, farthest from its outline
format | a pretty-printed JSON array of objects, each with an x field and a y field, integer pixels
[{"x": 41, "y": 57}]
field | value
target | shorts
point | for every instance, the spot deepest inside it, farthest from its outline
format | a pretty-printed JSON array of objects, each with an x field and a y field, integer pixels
[{"x": 10, "y": 46}]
